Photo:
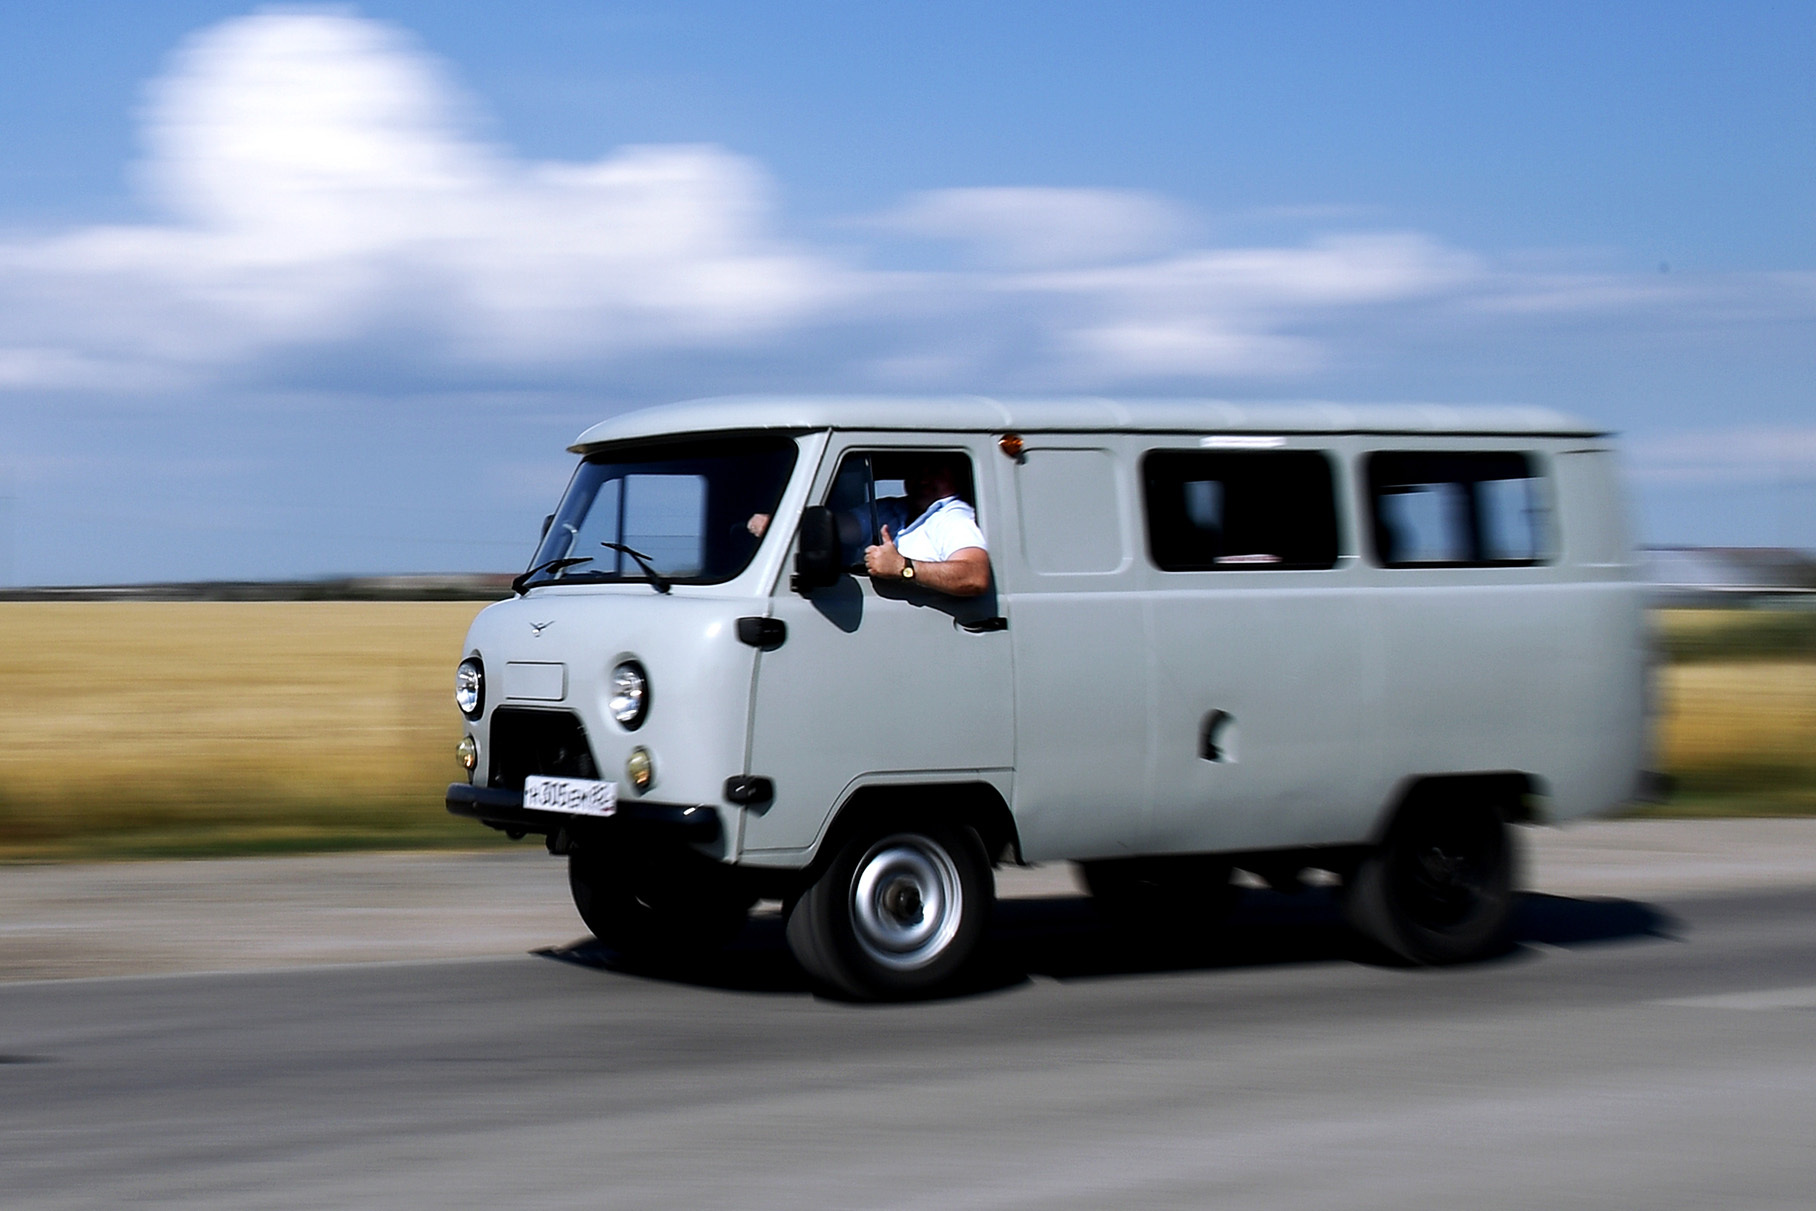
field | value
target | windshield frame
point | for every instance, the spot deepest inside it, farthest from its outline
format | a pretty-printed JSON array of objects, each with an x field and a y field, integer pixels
[{"x": 766, "y": 460}]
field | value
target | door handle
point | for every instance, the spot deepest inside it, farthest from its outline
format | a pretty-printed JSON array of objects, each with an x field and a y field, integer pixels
[
  {"x": 981, "y": 625},
  {"x": 765, "y": 633}
]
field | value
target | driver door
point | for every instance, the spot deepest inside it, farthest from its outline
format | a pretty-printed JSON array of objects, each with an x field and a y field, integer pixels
[{"x": 876, "y": 682}]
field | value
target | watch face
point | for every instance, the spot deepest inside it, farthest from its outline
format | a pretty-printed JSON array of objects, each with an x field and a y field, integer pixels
[{"x": 907, "y": 570}]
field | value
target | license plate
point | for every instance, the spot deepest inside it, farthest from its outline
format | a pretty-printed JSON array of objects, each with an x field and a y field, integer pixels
[{"x": 574, "y": 796}]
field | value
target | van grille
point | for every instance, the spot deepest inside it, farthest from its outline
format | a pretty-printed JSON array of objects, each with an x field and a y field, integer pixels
[{"x": 550, "y": 743}]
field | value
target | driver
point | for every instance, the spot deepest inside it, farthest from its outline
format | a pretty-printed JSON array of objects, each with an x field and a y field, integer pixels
[{"x": 930, "y": 536}]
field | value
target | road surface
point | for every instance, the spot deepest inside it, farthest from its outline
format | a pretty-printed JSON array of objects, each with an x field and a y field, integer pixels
[{"x": 1634, "y": 1050}]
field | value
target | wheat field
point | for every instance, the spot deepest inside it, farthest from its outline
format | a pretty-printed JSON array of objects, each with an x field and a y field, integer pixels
[
  {"x": 1740, "y": 737},
  {"x": 145, "y": 728},
  {"x": 201, "y": 727},
  {"x": 1737, "y": 719}
]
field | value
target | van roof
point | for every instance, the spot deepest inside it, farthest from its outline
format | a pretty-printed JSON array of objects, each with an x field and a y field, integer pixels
[{"x": 980, "y": 414}]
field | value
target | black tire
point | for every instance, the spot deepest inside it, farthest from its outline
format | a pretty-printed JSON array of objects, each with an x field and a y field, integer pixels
[
  {"x": 656, "y": 908},
  {"x": 1162, "y": 900},
  {"x": 897, "y": 913},
  {"x": 1440, "y": 886}
]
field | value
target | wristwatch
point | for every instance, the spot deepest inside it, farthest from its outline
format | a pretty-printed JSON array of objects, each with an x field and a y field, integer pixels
[{"x": 907, "y": 568}]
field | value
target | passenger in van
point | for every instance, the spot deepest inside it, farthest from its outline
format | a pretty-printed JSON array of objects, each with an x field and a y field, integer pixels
[{"x": 930, "y": 536}]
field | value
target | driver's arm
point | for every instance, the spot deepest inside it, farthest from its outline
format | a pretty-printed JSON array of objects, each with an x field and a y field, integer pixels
[{"x": 965, "y": 574}]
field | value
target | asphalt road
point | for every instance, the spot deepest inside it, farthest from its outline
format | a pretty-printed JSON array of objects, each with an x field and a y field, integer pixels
[{"x": 1628, "y": 1053}]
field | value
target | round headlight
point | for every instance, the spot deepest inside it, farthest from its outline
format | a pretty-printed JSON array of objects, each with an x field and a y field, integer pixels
[
  {"x": 470, "y": 687},
  {"x": 629, "y": 702}
]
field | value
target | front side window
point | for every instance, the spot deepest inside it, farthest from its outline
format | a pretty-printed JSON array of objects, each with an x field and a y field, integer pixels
[
  {"x": 871, "y": 490},
  {"x": 1457, "y": 509},
  {"x": 1240, "y": 510},
  {"x": 684, "y": 509}
]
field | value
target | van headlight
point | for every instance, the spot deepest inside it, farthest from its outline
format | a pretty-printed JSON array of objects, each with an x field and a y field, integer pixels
[
  {"x": 629, "y": 702},
  {"x": 470, "y": 687}
]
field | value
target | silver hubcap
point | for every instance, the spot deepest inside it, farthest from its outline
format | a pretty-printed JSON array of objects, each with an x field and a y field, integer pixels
[{"x": 906, "y": 902}]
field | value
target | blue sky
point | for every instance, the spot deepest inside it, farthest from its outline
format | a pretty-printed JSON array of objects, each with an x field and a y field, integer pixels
[{"x": 315, "y": 290}]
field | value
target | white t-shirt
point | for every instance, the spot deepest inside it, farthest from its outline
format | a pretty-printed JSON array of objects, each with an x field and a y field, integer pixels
[{"x": 948, "y": 526}]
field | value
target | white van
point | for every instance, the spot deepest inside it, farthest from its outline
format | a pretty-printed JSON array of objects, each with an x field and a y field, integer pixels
[{"x": 1213, "y": 638}]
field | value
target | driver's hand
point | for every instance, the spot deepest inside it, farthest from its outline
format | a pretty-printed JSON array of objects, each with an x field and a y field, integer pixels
[{"x": 883, "y": 560}]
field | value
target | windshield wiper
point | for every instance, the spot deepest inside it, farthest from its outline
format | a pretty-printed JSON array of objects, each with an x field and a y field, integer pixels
[
  {"x": 553, "y": 565},
  {"x": 656, "y": 581}
]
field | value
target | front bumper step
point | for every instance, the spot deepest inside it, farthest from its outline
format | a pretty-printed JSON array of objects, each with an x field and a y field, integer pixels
[{"x": 504, "y": 809}]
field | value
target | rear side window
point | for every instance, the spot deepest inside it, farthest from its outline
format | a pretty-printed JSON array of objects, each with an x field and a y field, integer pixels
[
  {"x": 1240, "y": 510},
  {"x": 1457, "y": 509}
]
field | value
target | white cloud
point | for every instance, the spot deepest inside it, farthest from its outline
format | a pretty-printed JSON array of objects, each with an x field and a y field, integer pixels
[
  {"x": 323, "y": 188},
  {"x": 25, "y": 367},
  {"x": 321, "y": 182},
  {"x": 1231, "y": 311},
  {"x": 327, "y": 130},
  {"x": 1749, "y": 454},
  {"x": 1040, "y": 228},
  {"x": 1170, "y": 346}
]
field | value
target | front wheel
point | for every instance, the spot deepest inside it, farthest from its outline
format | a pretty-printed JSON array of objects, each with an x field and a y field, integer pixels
[
  {"x": 1439, "y": 887},
  {"x": 897, "y": 913}
]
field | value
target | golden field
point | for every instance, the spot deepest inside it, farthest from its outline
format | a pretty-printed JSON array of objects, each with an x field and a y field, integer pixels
[
  {"x": 137, "y": 728},
  {"x": 1737, "y": 721},
  {"x": 202, "y": 727},
  {"x": 1740, "y": 737}
]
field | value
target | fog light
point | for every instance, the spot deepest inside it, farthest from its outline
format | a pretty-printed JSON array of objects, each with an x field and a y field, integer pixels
[
  {"x": 468, "y": 752},
  {"x": 640, "y": 768}
]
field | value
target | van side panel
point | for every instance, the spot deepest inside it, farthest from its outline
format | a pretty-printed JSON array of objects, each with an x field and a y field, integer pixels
[
  {"x": 1604, "y": 740},
  {"x": 1196, "y": 711},
  {"x": 1595, "y": 531},
  {"x": 1256, "y": 678},
  {"x": 1294, "y": 707},
  {"x": 1532, "y": 669},
  {"x": 1079, "y": 628},
  {"x": 1268, "y": 664},
  {"x": 1541, "y": 681},
  {"x": 1613, "y": 644}
]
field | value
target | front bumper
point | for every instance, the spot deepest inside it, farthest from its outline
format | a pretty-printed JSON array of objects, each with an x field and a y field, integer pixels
[{"x": 504, "y": 809}]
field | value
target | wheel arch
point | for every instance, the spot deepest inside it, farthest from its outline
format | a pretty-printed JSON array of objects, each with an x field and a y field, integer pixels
[
  {"x": 1512, "y": 790},
  {"x": 976, "y": 805}
]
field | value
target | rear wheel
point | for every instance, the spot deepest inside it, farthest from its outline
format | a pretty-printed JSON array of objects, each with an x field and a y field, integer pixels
[
  {"x": 650, "y": 907},
  {"x": 897, "y": 913},
  {"x": 1439, "y": 887}
]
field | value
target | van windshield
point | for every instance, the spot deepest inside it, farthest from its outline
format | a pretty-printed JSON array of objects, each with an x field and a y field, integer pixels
[{"x": 685, "y": 507}]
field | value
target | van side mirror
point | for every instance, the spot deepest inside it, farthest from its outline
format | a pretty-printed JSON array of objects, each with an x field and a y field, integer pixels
[
  {"x": 546, "y": 523},
  {"x": 817, "y": 550}
]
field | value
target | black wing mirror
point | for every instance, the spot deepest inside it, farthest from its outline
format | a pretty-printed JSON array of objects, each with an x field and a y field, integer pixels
[
  {"x": 817, "y": 550},
  {"x": 546, "y": 523}
]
